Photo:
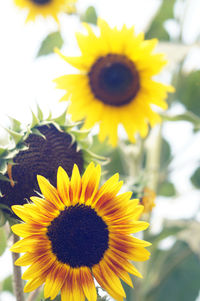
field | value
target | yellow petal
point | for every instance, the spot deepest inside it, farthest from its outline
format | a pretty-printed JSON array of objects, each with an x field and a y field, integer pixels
[
  {"x": 87, "y": 283},
  {"x": 90, "y": 182},
  {"x": 55, "y": 280},
  {"x": 25, "y": 259},
  {"x": 49, "y": 192},
  {"x": 63, "y": 186},
  {"x": 34, "y": 283},
  {"x": 25, "y": 230},
  {"x": 99, "y": 275},
  {"x": 75, "y": 185}
]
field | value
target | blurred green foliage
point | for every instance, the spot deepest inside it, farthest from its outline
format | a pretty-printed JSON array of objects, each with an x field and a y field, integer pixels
[
  {"x": 52, "y": 41},
  {"x": 178, "y": 274},
  {"x": 188, "y": 91},
  {"x": 195, "y": 178},
  {"x": 166, "y": 189},
  {"x": 3, "y": 241},
  {"x": 157, "y": 29},
  {"x": 90, "y": 15},
  {"x": 7, "y": 284}
]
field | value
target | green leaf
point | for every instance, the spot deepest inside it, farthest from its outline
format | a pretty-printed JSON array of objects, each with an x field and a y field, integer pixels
[
  {"x": 195, "y": 178},
  {"x": 3, "y": 241},
  {"x": 177, "y": 275},
  {"x": 166, "y": 189},
  {"x": 53, "y": 40},
  {"x": 156, "y": 29},
  {"x": 90, "y": 15},
  {"x": 7, "y": 284},
  {"x": 188, "y": 91}
]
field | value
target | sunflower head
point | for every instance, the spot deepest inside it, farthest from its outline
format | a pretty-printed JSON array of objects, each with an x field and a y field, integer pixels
[
  {"x": 46, "y": 8},
  {"x": 40, "y": 148},
  {"x": 115, "y": 82},
  {"x": 77, "y": 232}
]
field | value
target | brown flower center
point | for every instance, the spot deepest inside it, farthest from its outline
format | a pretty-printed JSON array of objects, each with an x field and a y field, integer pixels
[
  {"x": 41, "y": 2},
  {"x": 114, "y": 80},
  {"x": 43, "y": 156},
  {"x": 79, "y": 237}
]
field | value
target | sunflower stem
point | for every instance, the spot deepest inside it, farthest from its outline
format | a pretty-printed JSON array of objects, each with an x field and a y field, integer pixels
[
  {"x": 153, "y": 157},
  {"x": 17, "y": 281}
]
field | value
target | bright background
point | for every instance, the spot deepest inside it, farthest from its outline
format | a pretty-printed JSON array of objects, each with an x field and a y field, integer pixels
[{"x": 26, "y": 80}]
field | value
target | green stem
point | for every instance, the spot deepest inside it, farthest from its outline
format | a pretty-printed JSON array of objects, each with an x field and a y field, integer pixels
[
  {"x": 17, "y": 281},
  {"x": 153, "y": 157}
]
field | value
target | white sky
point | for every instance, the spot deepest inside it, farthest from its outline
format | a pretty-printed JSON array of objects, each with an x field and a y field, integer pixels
[{"x": 25, "y": 80}]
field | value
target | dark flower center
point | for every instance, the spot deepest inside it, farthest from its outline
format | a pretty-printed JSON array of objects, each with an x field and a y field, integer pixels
[
  {"x": 43, "y": 156},
  {"x": 41, "y": 2},
  {"x": 79, "y": 237},
  {"x": 114, "y": 80}
]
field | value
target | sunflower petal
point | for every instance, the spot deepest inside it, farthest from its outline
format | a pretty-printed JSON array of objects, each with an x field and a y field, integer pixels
[
  {"x": 49, "y": 192},
  {"x": 87, "y": 283}
]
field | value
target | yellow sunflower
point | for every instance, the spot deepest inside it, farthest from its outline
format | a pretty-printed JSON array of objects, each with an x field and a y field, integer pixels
[
  {"x": 45, "y": 7},
  {"x": 79, "y": 232},
  {"x": 115, "y": 84}
]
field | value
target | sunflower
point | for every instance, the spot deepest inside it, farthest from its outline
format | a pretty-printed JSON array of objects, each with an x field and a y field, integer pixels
[
  {"x": 39, "y": 148},
  {"x": 46, "y": 7},
  {"x": 79, "y": 232},
  {"x": 115, "y": 84}
]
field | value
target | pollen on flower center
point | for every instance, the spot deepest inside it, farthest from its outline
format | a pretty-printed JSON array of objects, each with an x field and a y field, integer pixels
[
  {"x": 41, "y": 2},
  {"x": 114, "y": 80},
  {"x": 79, "y": 237}
]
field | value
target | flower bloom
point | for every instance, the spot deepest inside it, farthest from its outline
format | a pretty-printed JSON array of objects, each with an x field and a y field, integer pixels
[
  {"x": 45, "y": 8},
  {"x": 114, "y": 84},
  {"x": 79, "y": 232}
]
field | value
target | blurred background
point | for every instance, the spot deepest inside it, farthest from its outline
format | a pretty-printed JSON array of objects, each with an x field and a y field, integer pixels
[{"x": 172, "y": 151}]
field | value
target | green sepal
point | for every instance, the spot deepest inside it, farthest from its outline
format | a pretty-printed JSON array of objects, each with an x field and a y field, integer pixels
[
  {"x": 35, "y": 120},
  {"x": 27, "y": 133},
  {"x": 16, "y": 124},
  {"x": 83, "y": 134},
  {"x": 61, "y": 119},
  {"x": 14, "y": 135},
  {"x": 91, "y": 157},
  {"x": 81, "y": 137},
  {"x": 38, "y": 133},
  {"x": 3, "y": 167},
  {"x": 39, "y": 113},
  {"x": 4, "y": 178},
  {"x": 11, "y": 154}
]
